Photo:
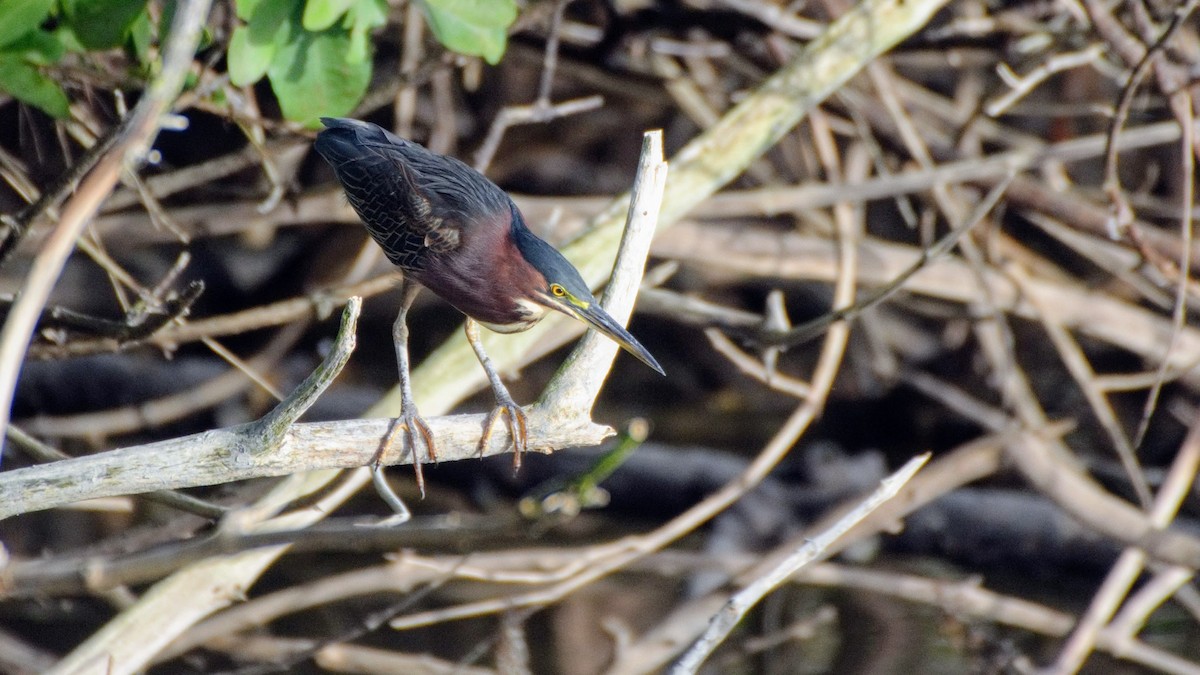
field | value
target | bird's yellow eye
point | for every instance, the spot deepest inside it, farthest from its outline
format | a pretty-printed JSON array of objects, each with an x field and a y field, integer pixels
[{"x": 557, "y": 290}]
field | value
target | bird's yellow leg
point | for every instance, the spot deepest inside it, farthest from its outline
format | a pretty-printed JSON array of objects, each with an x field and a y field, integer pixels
[
  {"x": 518, "y": 425},
  {"x": 409, "y": 420}
]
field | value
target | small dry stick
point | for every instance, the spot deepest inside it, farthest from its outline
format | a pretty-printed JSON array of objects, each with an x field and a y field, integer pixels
[
  {"x": 741, "y": 603},
  {"x": 810, "y": 329},
  {"x": 1132, "y": 561},
  {"x": 318, "y": 304},
  {"x": 1122, "y": 211},
  {"x": 541, "y": 110},
  {"x": 1021, "y": 86}
]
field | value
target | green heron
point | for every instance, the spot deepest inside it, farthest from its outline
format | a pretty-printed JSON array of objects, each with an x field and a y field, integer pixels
[{"x": 453, "y": 231}]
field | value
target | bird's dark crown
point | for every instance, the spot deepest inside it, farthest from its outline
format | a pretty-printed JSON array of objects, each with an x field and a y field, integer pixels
[{"x": 547, "y": 260}]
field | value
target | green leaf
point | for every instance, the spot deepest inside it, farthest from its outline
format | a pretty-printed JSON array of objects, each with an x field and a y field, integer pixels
[
  {"x": 141, "y": 37},
  {"x": 312, "y": 77},
  {"x": 363, "y": 16},
  {"x": 245, "y": 8},
  {"x": 245, "y": 62},
  {"x": 37, "y": 48},
  {"x": 65, "y": 34},
  {"x": 102, "y": 24},
  {"x": 21, "y": 17},
  {"x": 26, "y": 83},
  {"x": 320, "y": 14},
  {"x": 254, "y": 46},
  {"x": 471, "y": 27}
]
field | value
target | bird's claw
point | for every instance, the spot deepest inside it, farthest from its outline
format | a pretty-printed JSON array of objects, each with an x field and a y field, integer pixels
[
  {"x": 518, "y": 429},
  {"x": 413, "y": 426}
]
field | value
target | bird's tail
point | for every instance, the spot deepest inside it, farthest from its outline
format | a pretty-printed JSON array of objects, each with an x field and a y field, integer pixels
[{"x": 345, "y": 140}]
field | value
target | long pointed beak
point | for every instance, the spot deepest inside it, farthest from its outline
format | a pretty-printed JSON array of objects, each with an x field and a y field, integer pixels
[{"x": 597, "y": 318}]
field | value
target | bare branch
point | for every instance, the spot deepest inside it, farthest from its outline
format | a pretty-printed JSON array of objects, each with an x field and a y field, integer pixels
[{"x": 138, "y": 131}]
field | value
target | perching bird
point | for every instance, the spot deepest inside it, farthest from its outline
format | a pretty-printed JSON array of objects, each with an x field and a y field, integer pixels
[{"x": 458, "y": 234}]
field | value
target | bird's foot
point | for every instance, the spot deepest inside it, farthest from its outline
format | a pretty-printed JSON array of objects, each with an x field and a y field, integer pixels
[
  {"x": 518, "y": 427},
  {"x": 414, "y": 426}
]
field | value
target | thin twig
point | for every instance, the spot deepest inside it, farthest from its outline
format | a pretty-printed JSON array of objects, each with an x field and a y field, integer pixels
[
  {"x": 763, "y": 251},
  {"x": 1182, "y": 105},
  {"x": 527, "y": 114},
  {"x": 1022, "y": 86},
  {"x": 16, "y": 227},
  {"x": 1132, "y": 561},
  {"x": 1081, "y": 370},
  {"x": 1122, "y": 212},
  {"x": 810, "y": 329},
  {"x": 172, "y": 407},
  {"x": 316, "y": 305},
  {"x": 769, "y": 579}
]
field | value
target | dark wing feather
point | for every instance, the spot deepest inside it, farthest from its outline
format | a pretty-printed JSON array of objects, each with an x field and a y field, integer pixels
[{"x": 414, "y": 202}]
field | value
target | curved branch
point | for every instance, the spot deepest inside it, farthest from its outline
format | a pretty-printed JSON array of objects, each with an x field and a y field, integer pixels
[{"x": 133, "y": 140}]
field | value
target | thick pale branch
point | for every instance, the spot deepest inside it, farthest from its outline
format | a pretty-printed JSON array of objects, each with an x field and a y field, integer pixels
[
  {"x": 579, "y": 379},
  {"x": 200, "y": 459},
  {"x": 243, "y": 452}
]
